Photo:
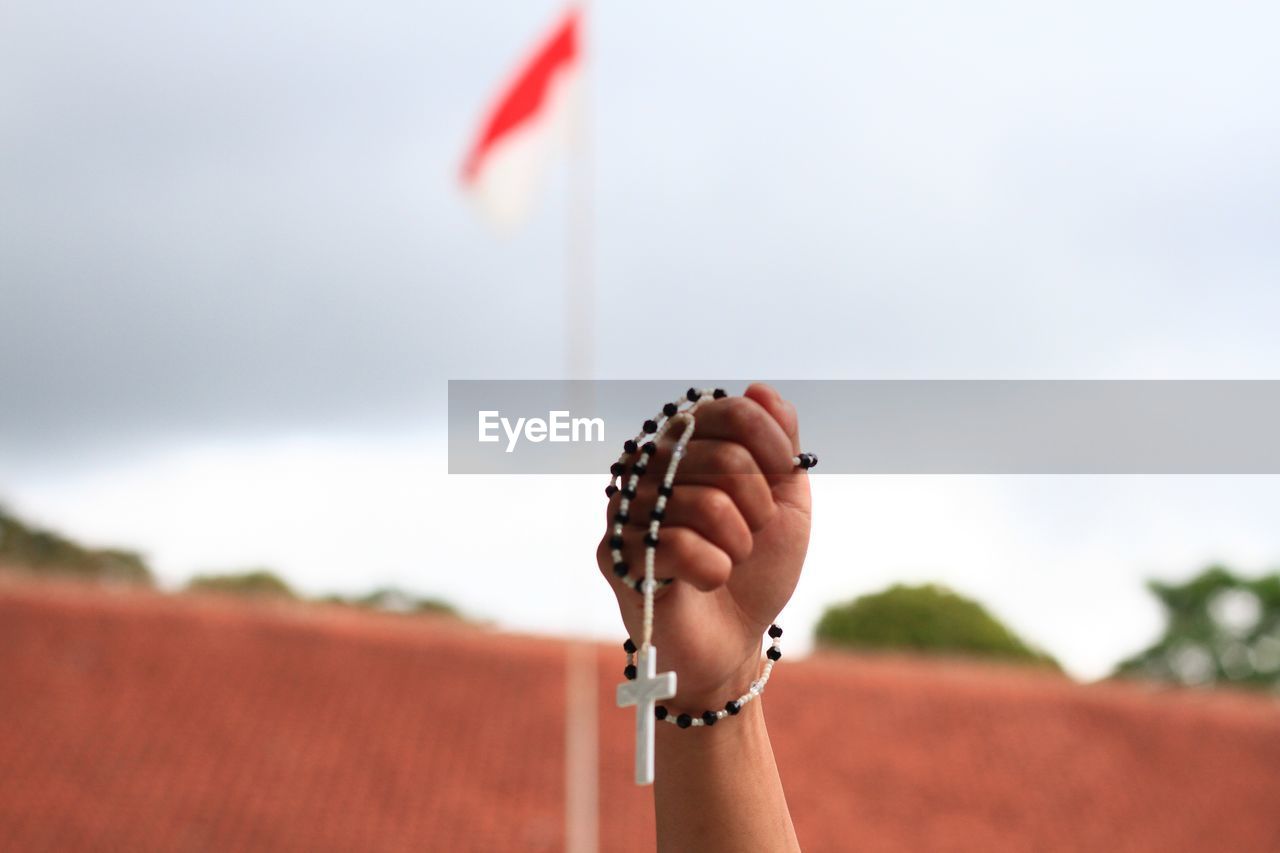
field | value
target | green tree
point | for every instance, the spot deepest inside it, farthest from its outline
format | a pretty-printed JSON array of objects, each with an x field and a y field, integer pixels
[
  {"x": 395, "y": 600},
  {"x": 39, "y": 551},
  {"x": 254, "y": 583},
  {"x": 930, "y": 619},
  {"x": 1220, "y": 628}
]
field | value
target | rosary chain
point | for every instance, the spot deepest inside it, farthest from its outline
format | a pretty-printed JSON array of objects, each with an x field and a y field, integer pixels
[{"x": 644, "y": 448}]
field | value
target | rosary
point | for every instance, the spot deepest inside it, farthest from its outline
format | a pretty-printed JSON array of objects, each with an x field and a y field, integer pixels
[{"x": 645, "y": 685}]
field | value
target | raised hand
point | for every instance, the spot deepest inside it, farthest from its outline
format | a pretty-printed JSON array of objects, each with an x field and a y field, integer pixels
[{"x": 734, "y": 537}]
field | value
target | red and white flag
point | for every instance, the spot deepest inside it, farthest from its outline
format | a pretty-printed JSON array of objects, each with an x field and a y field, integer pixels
[{"x": 529, "y": 123}]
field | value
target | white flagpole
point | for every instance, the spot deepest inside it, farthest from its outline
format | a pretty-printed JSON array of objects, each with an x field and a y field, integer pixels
[
  {"x": 580, "y": 292},
  {"x": 582, "y": 831}
]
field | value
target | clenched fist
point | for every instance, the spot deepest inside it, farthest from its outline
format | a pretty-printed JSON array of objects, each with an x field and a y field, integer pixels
[{"x": 734, "y": 538}]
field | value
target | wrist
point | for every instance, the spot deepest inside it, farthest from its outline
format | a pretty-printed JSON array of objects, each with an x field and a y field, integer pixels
[
  {"x": 718, "y": 789},
  {"x": 697, "y": 699}
]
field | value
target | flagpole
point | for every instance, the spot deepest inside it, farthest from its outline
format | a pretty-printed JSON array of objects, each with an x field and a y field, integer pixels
[
  {"x": 580, "y": 295},
  {"x": 582, "y": 830}
]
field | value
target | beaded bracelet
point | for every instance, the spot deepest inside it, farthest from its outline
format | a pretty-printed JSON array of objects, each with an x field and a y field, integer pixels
[
  {"x": 733, "y": 706},
  {"x": 644, "y": 685}
]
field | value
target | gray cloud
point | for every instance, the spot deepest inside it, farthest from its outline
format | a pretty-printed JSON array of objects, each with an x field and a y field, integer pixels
[{"x": 242, "y": 217}]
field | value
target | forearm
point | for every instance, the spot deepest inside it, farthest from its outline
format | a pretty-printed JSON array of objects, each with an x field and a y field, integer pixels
[{"x": 717, "y": 789}]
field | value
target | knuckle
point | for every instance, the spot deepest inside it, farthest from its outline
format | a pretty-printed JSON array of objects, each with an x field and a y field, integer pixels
[
  {"x": 715, "y": 570},
  {"x": 680, "y": 544},
  {"x": 743, "y": 414},
  {"x": 731, "y": 458},
  {"x": 717, "y": 507},
  {"x": 690, "y": 559}
]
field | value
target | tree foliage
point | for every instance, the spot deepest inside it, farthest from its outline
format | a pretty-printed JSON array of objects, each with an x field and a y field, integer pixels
[
  {"x": 32, "y": 549},
  {"x": 44, "y": 552},
  {"x": 1220, "y": 628},
  {"x": 395, "y": 600},
  {"x": 254, "y": 583},
  {"x": 930, "y": 619}
]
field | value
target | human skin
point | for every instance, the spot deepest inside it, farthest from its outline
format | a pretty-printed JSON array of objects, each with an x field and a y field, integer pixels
[{"x": 734, "y": 536}]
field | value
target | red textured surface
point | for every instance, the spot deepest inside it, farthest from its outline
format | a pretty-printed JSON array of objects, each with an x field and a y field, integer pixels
[{"x": 133, "y": 721}]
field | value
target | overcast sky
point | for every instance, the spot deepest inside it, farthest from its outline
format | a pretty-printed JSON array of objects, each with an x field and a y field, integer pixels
[{"x": 236, "y": 271}]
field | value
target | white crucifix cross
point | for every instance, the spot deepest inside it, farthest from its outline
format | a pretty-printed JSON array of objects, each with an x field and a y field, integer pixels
[{"x": 643, "y": 691}]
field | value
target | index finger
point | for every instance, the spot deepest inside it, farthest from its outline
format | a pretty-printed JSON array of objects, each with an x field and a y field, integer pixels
[
  {"x": 745, "y": 421},
  {"x": 782, "y": 410}
]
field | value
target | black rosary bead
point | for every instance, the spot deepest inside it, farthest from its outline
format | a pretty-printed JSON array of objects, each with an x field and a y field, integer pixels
[
  {"x": 650, "y": 427},
  {"x": 719, "y": 394},
  {"x": 621, "y": 570},
  {"x": 629, "y": 493},
  {"x": 622, "y": 518},
  {"x": 651, "y": 540},
  {"x": 808, "y": 460},
  {"x": 629, "y": 446},
  {"x": 733, "y": 706},
  {"x": 630, "y": 671},
  {"x": 684, "y": 721},
  {"x": 615, "y": 541},
  {"x": 775, "y": 631},
  {"x": 638, "y": 470},
  {"x": 669, "y": 409},
  {"x": 660, "y": 711},
  {"x": 773, "y": 653},
  {"x": 657, "y": 514},
  {"x": 617, "y": 469},
  {"x": 650, "y": 448},
  {"x": 610, "y": 490},
  {"x": 629, "y": 647},
  {"x": 693, "y": 394},
  {"x": 665, "y": 490},
  {"x": 709, "y": 718}
]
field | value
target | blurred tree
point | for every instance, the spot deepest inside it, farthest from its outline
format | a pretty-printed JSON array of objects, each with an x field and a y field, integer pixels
[
  {"x": 395, "y": 600},
  {"x": 399, "y": 601},
  {"x": 1220, "y": 628},
  {"x": 255, "y": 583},
  {"x": 45, "y": 552},
  {"x": 926, "y": 618}
]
